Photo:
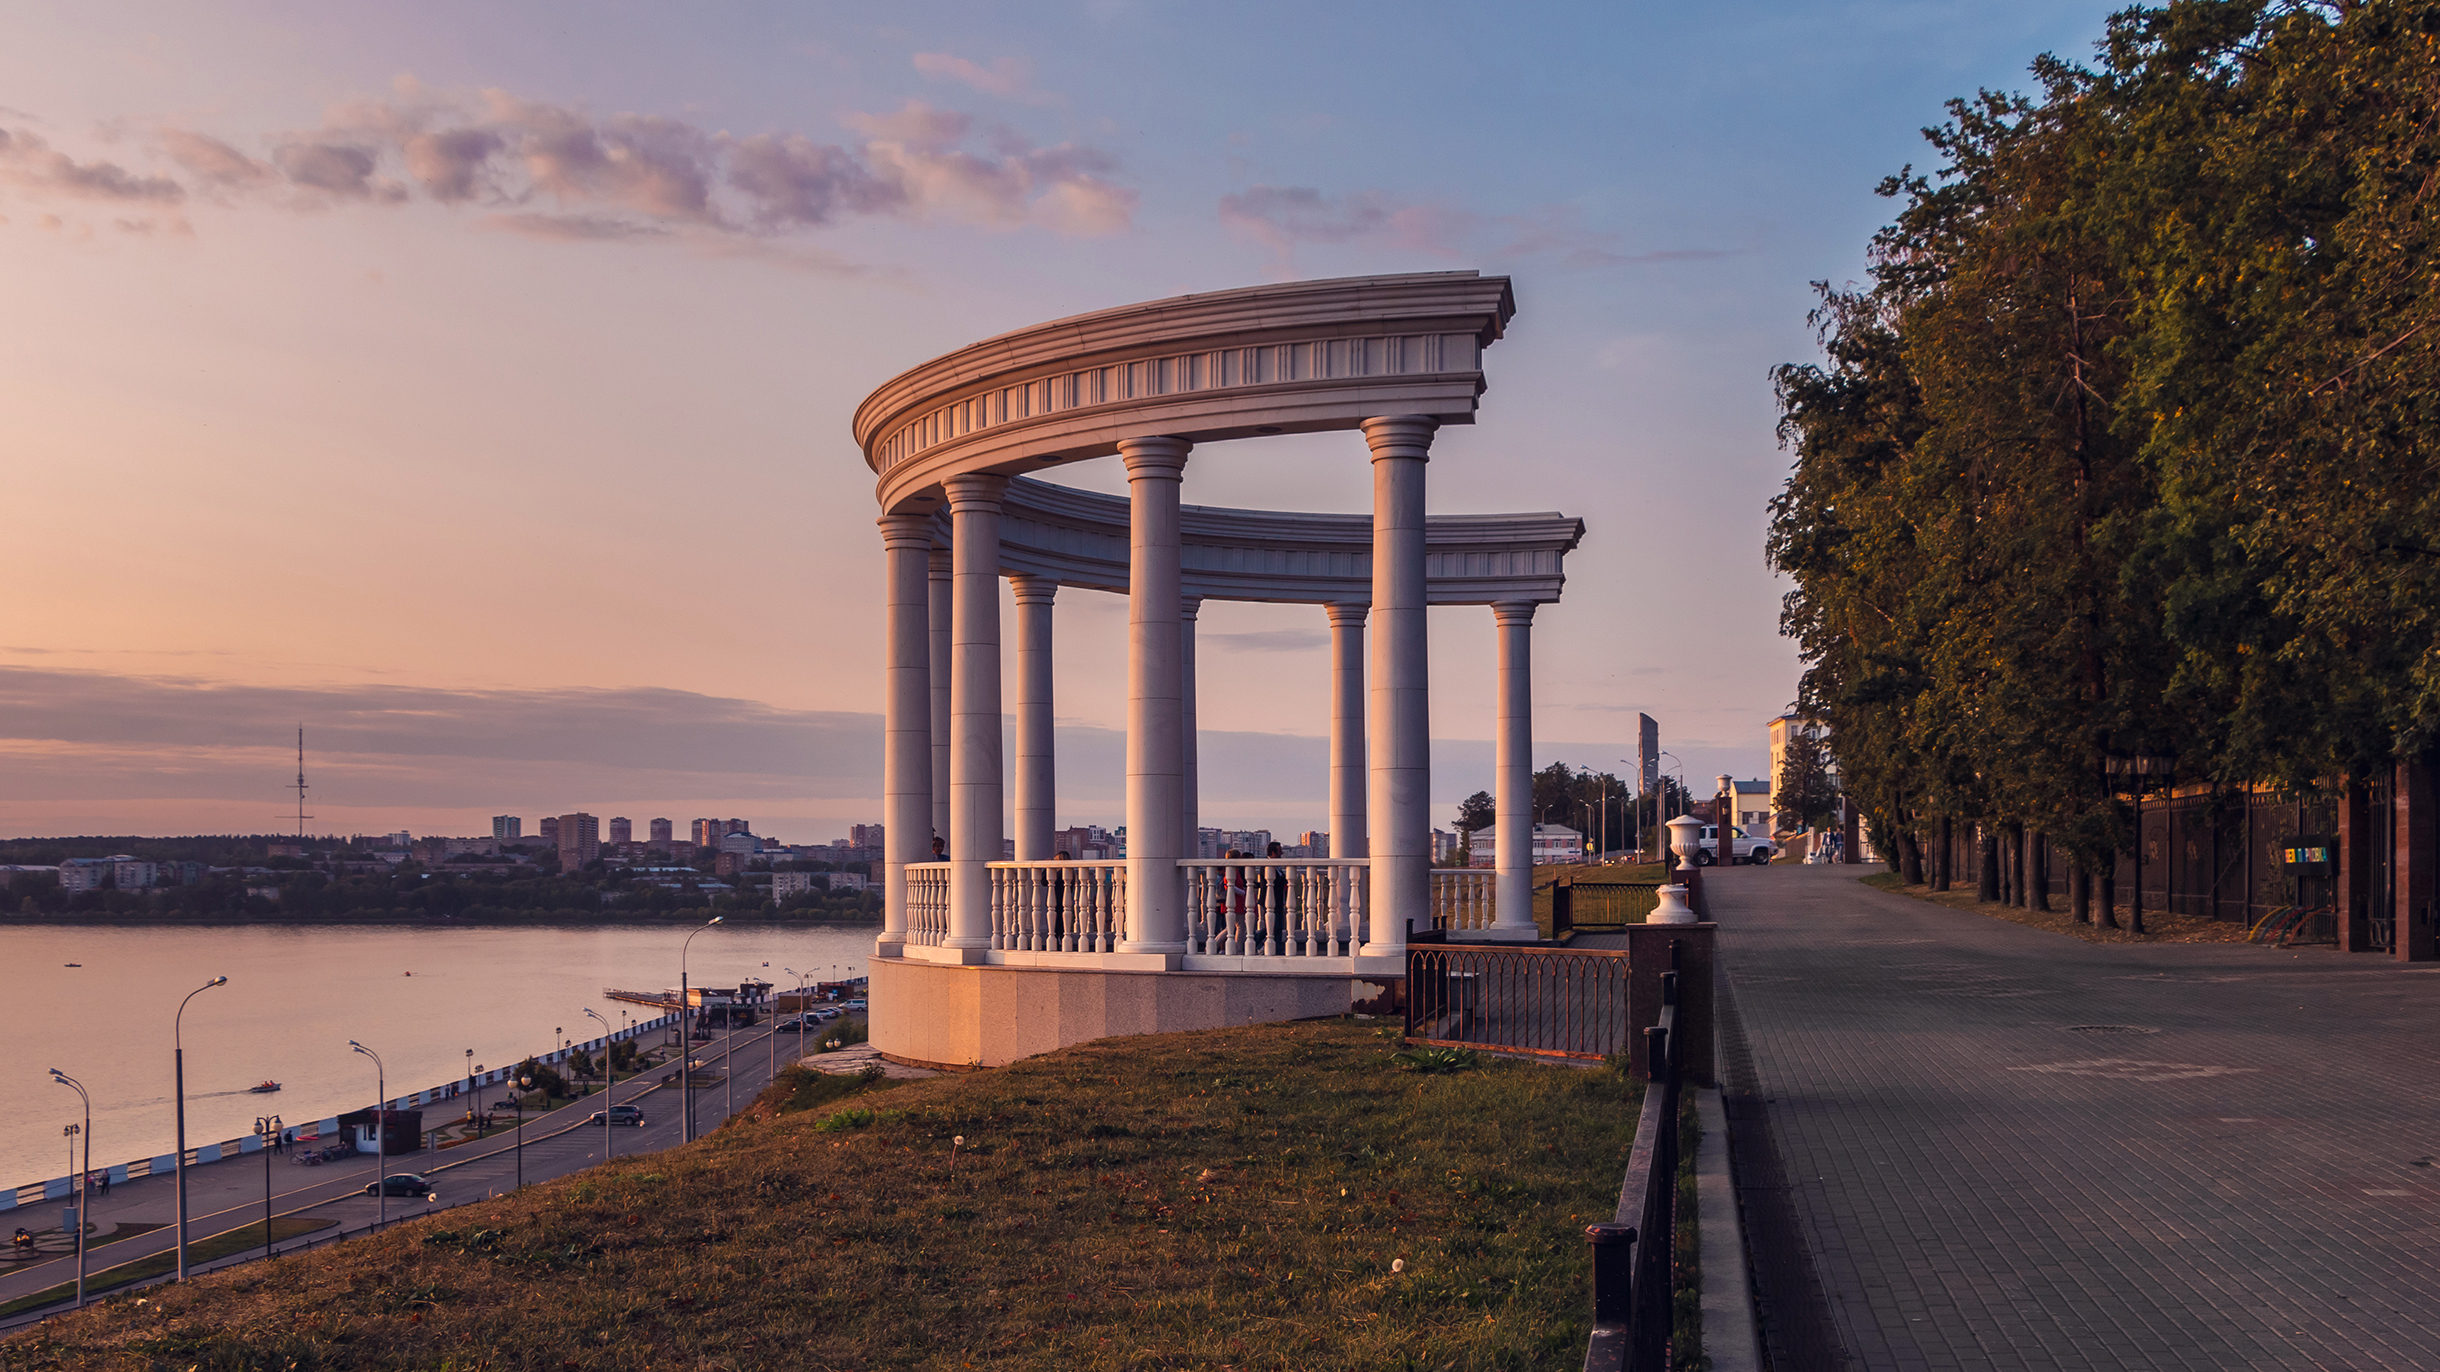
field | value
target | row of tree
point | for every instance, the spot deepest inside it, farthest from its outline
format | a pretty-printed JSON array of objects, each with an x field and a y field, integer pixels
[
  {"x": 2126, "y": 448},
  {"x": 1605, "y": 809}
]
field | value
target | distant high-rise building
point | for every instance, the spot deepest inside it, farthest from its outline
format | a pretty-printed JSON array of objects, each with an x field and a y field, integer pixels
[
  {"x": 708, "y": 832},
  {"x": 549, "y": 830},
  {"x": 580, "y": 840},
  {"x": 506, "y": 827},
  {"x": 739, "y": 826},
  {"x": 1315, "y": 842},
  {"x": 1648, "y": 751},
  {"x": 864, "y": 836},
  {"x": 661, "y": 833},
  {"x": 622, "y": 829}
]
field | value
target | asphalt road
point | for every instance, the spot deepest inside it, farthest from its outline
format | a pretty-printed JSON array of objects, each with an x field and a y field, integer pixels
[{"x": 229, "y": 1195}]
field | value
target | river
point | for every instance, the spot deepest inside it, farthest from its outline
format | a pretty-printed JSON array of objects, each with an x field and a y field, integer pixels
[{"x": 418, "y": 995}]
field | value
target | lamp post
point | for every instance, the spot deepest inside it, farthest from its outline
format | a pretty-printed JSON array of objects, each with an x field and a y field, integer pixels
[
  {"x": 381, "y": 1134},
  {"x": 524, "y": 1084},
  {"x": 804, "y": 1011},
  {"x": 269, "y": 1127},
  {"x": 178, "y": 1052},
  {"x": 609, "y": 1082},
  {"x": 84, "y": 1174},
  {"x": 686, "y": 1037},
  {"x": 474, "y": 1092}
]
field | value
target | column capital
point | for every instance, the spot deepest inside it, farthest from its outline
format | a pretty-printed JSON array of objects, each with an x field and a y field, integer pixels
[
  {"x": 975, "y": 492},
  {"x": 906, "y": 532},
  {"x": 1401, "y": 435},
  {"x": 1189, "y": 606},
  {"x": 1033, "y": 590},
  {"x": 1512, "y": 611},
  {"x": 1346, "y": 616},
  {"x": 1154, "y": 459}
]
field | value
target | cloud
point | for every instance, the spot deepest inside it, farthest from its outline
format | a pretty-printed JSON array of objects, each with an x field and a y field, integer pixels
[
  {"x": 1010, "y": 78},
  {"x": 562, "y": 173},
  {"x": 31, "y": 163},
  {"x": 1281, "y": 218}
]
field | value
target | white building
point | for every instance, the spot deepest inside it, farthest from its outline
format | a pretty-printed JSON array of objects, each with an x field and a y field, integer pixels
[
  {"x": 133, "y": 874},
  {"x": 1552, "y": 843},
  {"x": 87, "y": 874}
]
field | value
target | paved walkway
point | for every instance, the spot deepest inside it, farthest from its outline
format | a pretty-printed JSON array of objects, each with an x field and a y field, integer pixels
[{"x": 2011, "y": 1149}]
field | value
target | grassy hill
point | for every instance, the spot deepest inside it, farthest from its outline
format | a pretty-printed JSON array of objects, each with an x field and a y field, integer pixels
[{"x": 1284, "y": 1196}]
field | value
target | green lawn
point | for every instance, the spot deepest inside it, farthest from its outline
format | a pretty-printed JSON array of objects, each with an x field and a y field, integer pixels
[{"x": 283, "y": 1228}]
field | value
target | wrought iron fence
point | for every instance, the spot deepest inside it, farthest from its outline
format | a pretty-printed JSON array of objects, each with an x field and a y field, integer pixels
[
  {"x": 1601, "y": 904},
  {"x": 1556, "y": 1002},
  {"x": 1634, "y": 1263}
]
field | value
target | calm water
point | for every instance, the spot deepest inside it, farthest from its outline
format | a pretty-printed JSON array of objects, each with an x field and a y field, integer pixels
[{"x": 297, "y": 994}]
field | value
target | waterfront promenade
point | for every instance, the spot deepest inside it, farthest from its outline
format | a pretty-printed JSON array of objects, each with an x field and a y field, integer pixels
[
  {"x": 2004, "y": 1148},
  {"x": 228, "y": 1195}
]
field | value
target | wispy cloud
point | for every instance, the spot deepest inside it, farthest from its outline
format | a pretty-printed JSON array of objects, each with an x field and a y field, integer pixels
[
  {"x": 1009, "y": 78},
  {"x": 563, "y": 173},
  {"x": 1283, "y": 218}
]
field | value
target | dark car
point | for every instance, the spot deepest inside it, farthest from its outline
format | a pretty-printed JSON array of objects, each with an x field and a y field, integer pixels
[
  {"x": 401, "y": 1184},
  {"x": 621, "y": 1114}
]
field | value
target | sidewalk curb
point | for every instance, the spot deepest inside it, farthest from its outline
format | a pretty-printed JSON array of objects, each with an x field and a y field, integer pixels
[{"x": 1729, "y": 1339}]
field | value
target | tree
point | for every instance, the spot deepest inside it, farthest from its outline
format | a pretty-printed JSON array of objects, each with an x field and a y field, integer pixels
[
  {"x": 1476, "y": 812},
  {"x": 1808, "y": 789}
]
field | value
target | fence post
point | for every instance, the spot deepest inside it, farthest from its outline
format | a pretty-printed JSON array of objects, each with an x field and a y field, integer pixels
[{"x": 1613, "y": 1296}]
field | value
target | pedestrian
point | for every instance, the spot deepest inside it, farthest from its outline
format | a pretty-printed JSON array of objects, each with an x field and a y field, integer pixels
[
  {"x": 1277, "y": 879},
  {"x": 940, "y": 849},
  {"x": 105, "y": 1183}
]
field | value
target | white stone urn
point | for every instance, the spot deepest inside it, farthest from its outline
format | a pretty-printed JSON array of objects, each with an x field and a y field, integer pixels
[{"x": 1685, "y": 837}]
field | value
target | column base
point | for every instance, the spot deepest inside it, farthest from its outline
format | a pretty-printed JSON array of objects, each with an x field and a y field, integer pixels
[
  {"x": 1510, "y": 933},
  {"x": 1177, "y": 949},
  {"x": 889, "y": 945},
  {"x": 943, "y": 953}
]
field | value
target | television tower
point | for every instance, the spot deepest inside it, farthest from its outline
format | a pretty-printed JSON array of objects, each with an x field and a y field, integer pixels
[{"x": 301, "y": 815}]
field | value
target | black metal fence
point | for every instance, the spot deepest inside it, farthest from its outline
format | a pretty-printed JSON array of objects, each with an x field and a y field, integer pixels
[
  {"x": 1601, "y": 904},
  {"x": 1635, "y": 1256},
  {"x": 1556, "y": 1002}
]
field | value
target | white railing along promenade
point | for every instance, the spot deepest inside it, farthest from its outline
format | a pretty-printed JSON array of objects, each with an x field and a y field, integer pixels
[
  {"x": 1057, "y": 907},
  {"x": 1463, "y": 897},
  {"x": 1276, "y": 907},
  {"x": 927, "y": 903}
]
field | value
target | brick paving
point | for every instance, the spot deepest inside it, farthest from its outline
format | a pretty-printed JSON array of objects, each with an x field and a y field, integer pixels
[{"x": 2011, "y": 1149}]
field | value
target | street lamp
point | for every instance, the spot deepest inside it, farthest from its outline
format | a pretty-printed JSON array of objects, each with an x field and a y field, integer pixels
[
  {"x": 523, "y": 1084},
  {"x": 269, "y": 1127},
  {"x": 178, "y": 1047},
  {"x": 609, "y": 1082},
  {"x": 686, "y": 1036},
  {"x": 84, "y": 1175},
  {"x": 804, "y": 1011},
  {"x": 381, "y": 1134}
]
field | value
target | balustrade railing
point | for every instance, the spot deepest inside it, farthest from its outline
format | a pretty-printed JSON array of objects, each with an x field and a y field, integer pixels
[
  {"x": 1276, "y": 907},
  {"x": 1463, "y": 897},
  {"x": 927, "y": 903},
  {"x": 1058, "y": 907}
]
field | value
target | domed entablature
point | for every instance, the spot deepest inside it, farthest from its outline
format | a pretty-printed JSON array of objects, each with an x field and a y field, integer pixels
[{"x": 1299, "y": 357}]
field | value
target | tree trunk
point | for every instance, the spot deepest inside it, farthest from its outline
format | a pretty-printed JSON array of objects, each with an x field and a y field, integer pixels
[
  {"x": 1942, "y": 864},
  {"x": 2039, "y": 867},
  {"x": 1910, "y": 854},
  {"x": 2080, "y": 893},
  {"x": 2107, "y": 915},
  {"x": 1986, "y": 884},
  {"x": 2008, "y": 882}
]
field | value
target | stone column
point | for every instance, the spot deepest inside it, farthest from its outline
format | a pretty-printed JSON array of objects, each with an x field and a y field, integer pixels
[
  {"x": 975, "y": 829},
  {"x": 1400, "y": 790},
  {"x": 1037, "y": 774},
  {"x": 1347, "y": 730},
  {"x": 1512, "y": 775},
  {"x": 1156, "y": 897},
  {"x": 1190, "y": 808},
  {"x": 2410, "y": 860},
  {"x": 906, "y": 731},
  {"x": 944, "y": 601}
]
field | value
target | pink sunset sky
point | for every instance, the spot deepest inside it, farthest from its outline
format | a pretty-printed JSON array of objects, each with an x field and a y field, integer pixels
[{"x": 470, "y": 384}]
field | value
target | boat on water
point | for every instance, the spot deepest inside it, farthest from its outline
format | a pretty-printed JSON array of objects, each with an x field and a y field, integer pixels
[
  {"x": 265, "y": 1089},
  {"x": 75, "y": 964}
]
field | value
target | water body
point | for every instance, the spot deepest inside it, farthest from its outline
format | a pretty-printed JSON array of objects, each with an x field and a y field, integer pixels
[{"x": 298, "y": 993}]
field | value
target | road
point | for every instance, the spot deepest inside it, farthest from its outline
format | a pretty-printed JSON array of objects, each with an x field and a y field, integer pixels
[
  {"x": 1972, "y": 1144},
  {"x": 227, "y": 1196}
]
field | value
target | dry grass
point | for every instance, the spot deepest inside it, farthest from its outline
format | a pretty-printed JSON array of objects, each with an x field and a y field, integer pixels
[
  {"x": 1226, "y": 1199},
  {"x": 2160, "y": 926}
]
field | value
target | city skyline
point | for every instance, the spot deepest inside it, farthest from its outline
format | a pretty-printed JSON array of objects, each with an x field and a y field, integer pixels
[{"x": 385, "y": 300}]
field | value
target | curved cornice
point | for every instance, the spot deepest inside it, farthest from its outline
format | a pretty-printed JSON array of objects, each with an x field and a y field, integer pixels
[
  {"x": 1079, "y": 538},
  {"x": 1292, "y": 358}
]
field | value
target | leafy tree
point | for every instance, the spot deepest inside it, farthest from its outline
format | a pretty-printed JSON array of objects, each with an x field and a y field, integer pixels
[
  {"x": 1808, "y": 788},
  {"x": 1476, "y": 813}
]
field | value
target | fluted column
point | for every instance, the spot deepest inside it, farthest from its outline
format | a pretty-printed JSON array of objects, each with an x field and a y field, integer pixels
[
  {"x": 975, "y": 826},
  {"x": 1156, "y": 897},
  {"x": 1347, "y": 730},
  {"x": 943, "y": 611},
  {"x": 1512, "y": 775},
  {"x": 906, "y": 731},
  {"x": 1190, "y": 771},
  {"x": 1037, "y": 784},
  {"x": 1400, "y": 776}
]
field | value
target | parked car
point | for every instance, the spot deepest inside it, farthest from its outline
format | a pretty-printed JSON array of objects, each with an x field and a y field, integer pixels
[
  {"x": 621, "y": 1114},
  {"x": 855, "y": 1005},
  {"x": 825, "y": 1016},
  {"x": 401, "y": 1184},
  {"x": 794, "y": 1024},
  {"x": 1741, "y": 847}
]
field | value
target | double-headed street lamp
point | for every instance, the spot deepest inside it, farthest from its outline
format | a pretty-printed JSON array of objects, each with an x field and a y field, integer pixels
[
  {"x": 269, "y": 1127},
  {"x": 178, "y": 1047},
  {"x": 381, "y": 1134},
  {"x": 84, "y": 1180},
  {"x": 609, "y": 1081},
  {"x": 686, "y": 1036}
]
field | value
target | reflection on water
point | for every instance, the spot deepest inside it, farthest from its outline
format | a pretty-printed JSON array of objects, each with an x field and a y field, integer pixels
[{"x": 420, "y": 996}]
